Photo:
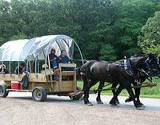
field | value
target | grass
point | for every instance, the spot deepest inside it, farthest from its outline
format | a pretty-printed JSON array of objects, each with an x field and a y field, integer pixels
[{"x": 147, "y": 92}]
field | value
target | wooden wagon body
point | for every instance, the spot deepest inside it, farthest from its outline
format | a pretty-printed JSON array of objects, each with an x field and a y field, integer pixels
[{"x": 42, "y": 83}]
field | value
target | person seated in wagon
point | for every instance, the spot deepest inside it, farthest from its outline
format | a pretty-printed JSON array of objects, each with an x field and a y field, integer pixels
[
  {"x": 53, "y": 63},
  {"x": 20, "y": 69},
  {"x": 3, "y": 69},
  {"x": 53, "y": 58},
  {"x": 63, "y": 58}
]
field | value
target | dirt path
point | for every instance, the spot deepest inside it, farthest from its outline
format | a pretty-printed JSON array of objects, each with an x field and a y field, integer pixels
[{"x": 19, "y": 109}]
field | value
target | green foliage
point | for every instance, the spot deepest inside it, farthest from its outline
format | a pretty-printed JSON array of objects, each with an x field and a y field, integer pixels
[
  {"x": 18, "y": 36},
  {"x": 108, "y": 53},
  {"x": 104, "y": 29},
  {"x": 131, "y": 17},
  {"x": 149, "y": 41}
]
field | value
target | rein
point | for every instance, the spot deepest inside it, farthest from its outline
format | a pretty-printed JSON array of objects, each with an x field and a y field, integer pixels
[{"x": 149, "y": 78}]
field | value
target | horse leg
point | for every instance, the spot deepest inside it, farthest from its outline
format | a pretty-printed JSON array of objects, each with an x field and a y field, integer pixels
[
  {"x": 137, "y": 94},
  {"x": 87, "y": 85},
  {"x": 101, "y": 85},
  {"x": 86, "y": 90},
  {"x": 114, "y": 92},
  {"x": 86, "y": 96},
  {"x": 114, "y": 99},
  {"x": 131, "y": 94},
  {"x": 129, "y": 99}
]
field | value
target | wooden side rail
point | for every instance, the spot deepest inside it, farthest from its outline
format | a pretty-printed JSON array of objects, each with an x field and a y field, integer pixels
[
  {"x": 36, "y": 77},
  {"x": 33, "y": 77},
  {"x": 67, "y": 73},
  {"x": 11, "y": 77},
  {"x": 72, "y": 65}
]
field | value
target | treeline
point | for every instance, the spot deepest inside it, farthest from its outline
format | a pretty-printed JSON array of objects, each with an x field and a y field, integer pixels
[{"x": 104, "y": 29}]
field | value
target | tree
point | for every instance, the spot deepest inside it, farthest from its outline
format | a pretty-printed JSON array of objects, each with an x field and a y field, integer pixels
[
  {"x": 18, "y": 36},
  {"x": 131, "y": 16},
  {"x": 108, "y": 53},
  {"x": 149, "y": 41},
  {"x": 6, "y": 26},
  {"x": 97, "y": 25}
]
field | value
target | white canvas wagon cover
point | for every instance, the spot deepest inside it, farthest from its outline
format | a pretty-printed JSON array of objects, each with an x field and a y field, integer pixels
[{"x": 39, "y": 48}]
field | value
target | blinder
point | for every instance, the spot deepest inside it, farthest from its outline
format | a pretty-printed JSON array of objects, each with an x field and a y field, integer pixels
[{"x": 153, "y": 65}]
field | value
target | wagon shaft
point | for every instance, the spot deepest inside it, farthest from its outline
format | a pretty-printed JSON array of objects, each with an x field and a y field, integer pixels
[{"x": 146, "y": 84}]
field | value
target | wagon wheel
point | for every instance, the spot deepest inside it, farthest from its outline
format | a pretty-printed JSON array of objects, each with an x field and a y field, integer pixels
[
  {"x": 39, "y": 94},
  {"x": 3, "y": 91}
]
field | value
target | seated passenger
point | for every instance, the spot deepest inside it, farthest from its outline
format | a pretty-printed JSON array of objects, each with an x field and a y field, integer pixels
[
  {"x": 53, "y": 59},
  {"x": 3, "y": 69},
  {"x": 25, "y": 80},
  {"x": 63, "y": 58},
  {"x": 54, "y": 64},
  {"x": 20, "y": 69}
]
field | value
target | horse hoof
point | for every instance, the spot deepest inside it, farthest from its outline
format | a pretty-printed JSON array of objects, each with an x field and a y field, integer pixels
[
  {"x": 117, "y": 102},
  {"x": 113, "y": 103},
  {"x": 128, "y": 100},
  {"x": 141, "y": 104},
  {"x": 100, "y": 102},
  {"x": 142, "y": 107},
  {"x": 89, "y": 104}
]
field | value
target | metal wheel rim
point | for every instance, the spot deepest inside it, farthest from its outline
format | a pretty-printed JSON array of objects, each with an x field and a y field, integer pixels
[{"x": 37, "y": 94}]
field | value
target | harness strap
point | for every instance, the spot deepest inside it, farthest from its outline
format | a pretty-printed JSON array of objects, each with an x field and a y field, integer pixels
[{"x": 108, "y": 67}]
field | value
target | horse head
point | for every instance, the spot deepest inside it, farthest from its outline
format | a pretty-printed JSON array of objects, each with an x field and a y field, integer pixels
[
  {"x": 148, "y": 66},
  {"x": 154, "y": 66}
]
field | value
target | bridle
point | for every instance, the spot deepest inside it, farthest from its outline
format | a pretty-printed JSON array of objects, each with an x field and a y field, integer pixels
[
  {"x": 143, "y": 70},
  {"x": 150, "y": 65}
]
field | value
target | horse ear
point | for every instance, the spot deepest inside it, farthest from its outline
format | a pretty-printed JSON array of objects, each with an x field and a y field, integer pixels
[{"x": 151, "y": 55}]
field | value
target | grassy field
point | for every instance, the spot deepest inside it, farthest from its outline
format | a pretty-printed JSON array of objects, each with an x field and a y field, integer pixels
[{"x": 151, "y": 92}]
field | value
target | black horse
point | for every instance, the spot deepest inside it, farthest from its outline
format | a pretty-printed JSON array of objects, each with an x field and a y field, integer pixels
[
  {"x": 94, "y": 71},
  {"x": 146, "y": 68},
  {"x": 100, "y": 71}
]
